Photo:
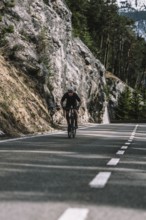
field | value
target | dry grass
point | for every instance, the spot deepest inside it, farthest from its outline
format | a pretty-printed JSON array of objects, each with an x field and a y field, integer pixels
[
  {"x": 109, "y": 75},
  {"x": 22, "y": 109}
]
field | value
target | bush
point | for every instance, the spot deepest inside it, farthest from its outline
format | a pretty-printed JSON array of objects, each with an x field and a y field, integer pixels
[
  {"x": 46, "y": 1},
  {"x": 10, "y": 3},
  {"x": 10, "y": 29}
]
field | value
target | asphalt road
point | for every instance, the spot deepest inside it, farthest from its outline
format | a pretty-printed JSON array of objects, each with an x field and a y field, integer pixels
[{"x": 99, "y": 175}]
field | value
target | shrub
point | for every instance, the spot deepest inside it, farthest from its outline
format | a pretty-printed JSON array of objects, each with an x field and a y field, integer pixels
[
  {"x": 10, "y": 29},
  {"x": 10, "y": 3},
  {"x": 46, "y": 1}
]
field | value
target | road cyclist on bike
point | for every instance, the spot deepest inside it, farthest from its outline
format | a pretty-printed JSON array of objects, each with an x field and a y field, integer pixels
[{"x": 72, "y": 101}]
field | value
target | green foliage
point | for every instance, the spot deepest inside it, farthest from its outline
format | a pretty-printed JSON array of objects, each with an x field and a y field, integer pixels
[
  {"x": 80, "y": 20},
  {"x": 122, "y": 111},
  {"x": 4, "y": 105},
  {"x": 131, "y": 105},
  {"x": 9, "y": 29},
  {"x": 9, "y": 3},
  {"x": 43, "y": 48},
  {"x": 106, "y": 90},
  {"x": 12, "y": 53},
  {"x": 46, "y": 1},
  {"x": 110, "y": 37},
  {"x": 136, "y": 105},
  {"x": 17, "y": 47},
  {"x": 3, "y": 42},
  {"x": 4, "y": 30},
  {"x": 25, "y": 36}
]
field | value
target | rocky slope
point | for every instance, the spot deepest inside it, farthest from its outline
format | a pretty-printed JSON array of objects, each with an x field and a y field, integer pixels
[
  {"x": 36, "y": 35},
  {"x": 114, "y": 88},
  {"x": 22, "y": 109}
]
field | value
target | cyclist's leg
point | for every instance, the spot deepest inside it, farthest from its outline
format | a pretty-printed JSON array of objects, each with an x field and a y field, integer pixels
[{"x": 67, "y": 117}]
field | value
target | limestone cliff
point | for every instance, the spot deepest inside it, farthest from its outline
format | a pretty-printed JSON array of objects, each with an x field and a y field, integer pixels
[
  {"x": 114, "y": 87},
  {"x": 36, "y": 35}
]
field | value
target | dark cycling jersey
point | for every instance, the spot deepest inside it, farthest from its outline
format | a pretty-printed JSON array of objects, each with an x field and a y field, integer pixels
[{"x": 70, "y": 100}]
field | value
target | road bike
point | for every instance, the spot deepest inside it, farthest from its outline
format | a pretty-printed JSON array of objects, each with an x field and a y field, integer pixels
[
  {"x": 71, "y": 116},
  {"x": 71, "y": 126}
]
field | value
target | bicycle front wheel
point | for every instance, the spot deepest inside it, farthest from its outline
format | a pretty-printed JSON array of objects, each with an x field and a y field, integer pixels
[{"x": 74, "y": 132}]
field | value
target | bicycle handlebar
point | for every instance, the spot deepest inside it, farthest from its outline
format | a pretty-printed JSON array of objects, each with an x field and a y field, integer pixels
[{"x": 76, "y": 108}]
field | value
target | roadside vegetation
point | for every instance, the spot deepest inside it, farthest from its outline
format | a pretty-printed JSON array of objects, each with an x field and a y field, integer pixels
[{"x": 111, "y": 37}]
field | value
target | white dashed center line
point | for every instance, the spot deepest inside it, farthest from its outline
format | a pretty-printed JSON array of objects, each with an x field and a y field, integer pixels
[
  {"x": 100, "y": 180},
  {"x": 113, "y": 162},
  {"x": 124, "y": 147},
  {"x": 120, "y": 152},
  {"x": 74, "y": 214},
  {"x": 127, "y": 143}
]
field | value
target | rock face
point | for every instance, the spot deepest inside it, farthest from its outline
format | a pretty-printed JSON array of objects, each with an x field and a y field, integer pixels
[
  {"x": 37, "y": 35},
  {"x": 114, "y": 88},
  {"x": 86, "y": 75}
]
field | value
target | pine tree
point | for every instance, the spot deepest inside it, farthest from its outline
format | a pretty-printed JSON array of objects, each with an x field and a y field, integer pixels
[
  {"x": 110, "y": 37},
  {"x": 122, "y": 110},
  {"x": 137, "y": 105}
]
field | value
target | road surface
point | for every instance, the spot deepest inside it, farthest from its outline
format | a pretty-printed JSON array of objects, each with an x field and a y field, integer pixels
[{"x": 99, "y": 175}]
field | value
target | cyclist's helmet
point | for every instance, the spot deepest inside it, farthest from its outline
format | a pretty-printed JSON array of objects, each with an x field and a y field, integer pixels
[{"x": 70, "y": 90}]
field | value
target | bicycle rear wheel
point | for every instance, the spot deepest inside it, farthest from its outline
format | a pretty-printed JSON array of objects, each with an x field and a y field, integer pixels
[{"x": 71, "y": 132}]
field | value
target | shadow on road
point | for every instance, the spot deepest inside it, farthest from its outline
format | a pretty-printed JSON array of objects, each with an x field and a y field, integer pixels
[{"x": 58, "y": 169}]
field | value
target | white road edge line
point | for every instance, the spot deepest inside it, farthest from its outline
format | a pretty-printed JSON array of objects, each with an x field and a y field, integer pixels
[
  {"x": 36, "y": 151},
  {"x": 100, "y": 180},
  {"x": 113, "y": 162},
  {"x": 133, "y": 133},
  {"x": 43, "y": 135},
  {"x": 74, "y": 214},
  {"x": 31, "y": 136},
  {"x": 120, "y": 152}
]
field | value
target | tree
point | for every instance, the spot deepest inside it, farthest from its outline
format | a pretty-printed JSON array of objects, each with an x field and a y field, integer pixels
[
  {"x": 123, "y": 108},
  {"x": 137, "y": 105},
  {"x": 111, "y": 38}
]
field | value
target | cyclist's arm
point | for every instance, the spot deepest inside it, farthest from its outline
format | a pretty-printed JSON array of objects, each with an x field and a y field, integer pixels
[
  {"x": 63, "y": 99},
  {"x": 79, "y": 100}
]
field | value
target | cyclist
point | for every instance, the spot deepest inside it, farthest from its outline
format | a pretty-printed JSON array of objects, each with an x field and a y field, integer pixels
[{"x": 72, "y": 99}]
